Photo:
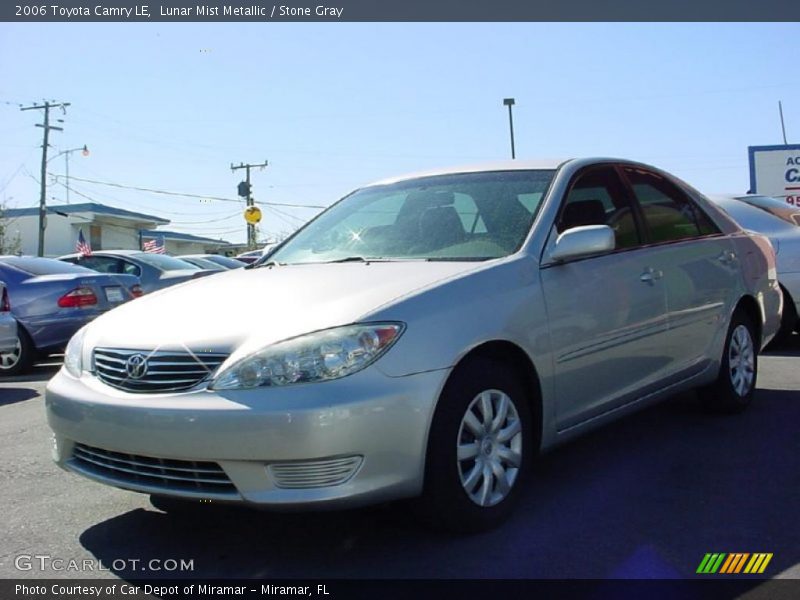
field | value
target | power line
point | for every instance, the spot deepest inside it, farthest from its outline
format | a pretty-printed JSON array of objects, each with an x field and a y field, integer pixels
[{"x": 184, "y": 194}]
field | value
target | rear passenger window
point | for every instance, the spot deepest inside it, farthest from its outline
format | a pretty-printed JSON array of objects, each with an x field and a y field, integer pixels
[
  {"x": 598, "y": 197},
  {"x": 669, "y": 214}
]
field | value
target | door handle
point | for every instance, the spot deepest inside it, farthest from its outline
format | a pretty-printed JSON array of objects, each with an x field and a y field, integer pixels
[
  {"x": 726, "y": 257},
  {"x": 650, "y": 275}
]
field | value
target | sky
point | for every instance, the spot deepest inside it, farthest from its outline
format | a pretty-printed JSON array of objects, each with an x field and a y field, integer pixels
[{"x": 334, "y": 106}]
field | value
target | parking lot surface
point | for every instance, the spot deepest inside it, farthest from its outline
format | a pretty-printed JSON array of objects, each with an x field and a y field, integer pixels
[{"x": 648, "y": 496}]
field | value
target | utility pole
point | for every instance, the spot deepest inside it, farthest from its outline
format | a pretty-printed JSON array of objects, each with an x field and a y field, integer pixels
[
  {"x": 43, "y": 183},
  {"x": 251, "y": 229}
]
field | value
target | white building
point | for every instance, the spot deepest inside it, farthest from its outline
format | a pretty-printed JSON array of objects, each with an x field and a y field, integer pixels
[{"x": 104, "y": 227}]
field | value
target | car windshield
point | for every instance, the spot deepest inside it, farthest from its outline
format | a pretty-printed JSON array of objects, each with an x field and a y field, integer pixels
[
  {"x": 42, "y": 266},
  {"x": 166, "y": 263},
  {"x": 471, "y": 216},
  {"x": 778, "y": 208}
]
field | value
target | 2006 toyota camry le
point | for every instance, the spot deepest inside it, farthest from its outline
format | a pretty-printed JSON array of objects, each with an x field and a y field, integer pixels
[{"x": 425, "y": 336}]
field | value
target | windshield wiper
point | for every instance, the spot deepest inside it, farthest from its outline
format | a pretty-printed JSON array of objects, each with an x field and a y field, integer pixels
[
  {"x": 352, "y": 259},
  {"x": 269, "y": 263}
]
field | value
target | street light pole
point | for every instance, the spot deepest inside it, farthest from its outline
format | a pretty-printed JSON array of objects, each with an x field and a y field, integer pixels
[
  {"x": 509, "y": 102},
  {"x": 85, "y": 151}
]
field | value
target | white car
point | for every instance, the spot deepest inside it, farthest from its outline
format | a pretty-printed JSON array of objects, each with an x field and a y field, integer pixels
[
  {"x": 424, "y": 337},
  {"x": 8, "y": 324},
  {"x": 780, "y": 222}
]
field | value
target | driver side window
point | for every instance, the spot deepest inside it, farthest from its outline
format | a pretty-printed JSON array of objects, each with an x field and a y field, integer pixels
[{"x": 597, "y": 197}]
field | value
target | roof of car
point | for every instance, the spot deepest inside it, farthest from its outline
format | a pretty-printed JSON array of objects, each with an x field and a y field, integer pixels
[
  {"x": 502, "y": 165},
  {"x": 108, "y": 253}
]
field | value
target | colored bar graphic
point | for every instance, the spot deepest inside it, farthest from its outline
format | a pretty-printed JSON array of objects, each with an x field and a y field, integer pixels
[{"x": 729, "y": 564}]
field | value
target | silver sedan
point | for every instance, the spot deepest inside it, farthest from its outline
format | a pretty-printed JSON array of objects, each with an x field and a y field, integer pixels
[
  {"x": 781, "y": 223},
  {"x": 424, "y": 337}
]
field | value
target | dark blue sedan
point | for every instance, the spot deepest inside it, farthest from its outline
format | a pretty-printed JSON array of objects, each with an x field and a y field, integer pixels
[{"x": 51, "y": 300}]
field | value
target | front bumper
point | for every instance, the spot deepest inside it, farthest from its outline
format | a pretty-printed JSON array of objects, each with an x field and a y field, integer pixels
[{"x": 268, "y": 441}]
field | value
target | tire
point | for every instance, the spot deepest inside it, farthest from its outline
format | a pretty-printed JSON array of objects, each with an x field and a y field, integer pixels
[
  {"x": 478, "y": 490},
  {"x": 21, "y": 358},
  {"x": 735, "y": 386}
]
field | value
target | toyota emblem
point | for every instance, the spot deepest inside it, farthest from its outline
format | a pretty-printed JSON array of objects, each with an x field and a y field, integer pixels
[{"x": 136, "y": 366}]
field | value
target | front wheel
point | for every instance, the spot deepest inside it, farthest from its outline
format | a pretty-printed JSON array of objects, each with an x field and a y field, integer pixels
[
  {"x": 479, "y": 449},
  {"x": 736, "y": 383}
]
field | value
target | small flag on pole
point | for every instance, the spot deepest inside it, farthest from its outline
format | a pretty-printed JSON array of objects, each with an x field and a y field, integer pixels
[
  {"x": 155, "y": 246},
  {"x": 83, "y": 247}
]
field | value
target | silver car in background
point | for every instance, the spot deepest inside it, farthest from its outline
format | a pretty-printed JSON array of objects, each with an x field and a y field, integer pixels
[
  {"x": 8, "y": 325},
  {"x": 156, "y": 271},
  {"x": 780, "y": 222},
  {"x": 424, "y": 337}
]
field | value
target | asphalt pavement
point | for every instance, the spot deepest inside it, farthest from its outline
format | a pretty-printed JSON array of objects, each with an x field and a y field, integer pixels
[{"x": 645, "y": 497}]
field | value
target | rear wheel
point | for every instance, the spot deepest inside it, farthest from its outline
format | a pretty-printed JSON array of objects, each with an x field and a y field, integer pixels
[
  {"x": 480, "y": 448},
  {"x": 736, "y": 383},
  {"x": 20, "y": 358}
]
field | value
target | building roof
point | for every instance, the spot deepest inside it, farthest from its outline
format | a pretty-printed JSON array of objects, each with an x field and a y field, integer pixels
[
  {"x": 85, "y": 207},
  {"x": 181, "y": 237}
]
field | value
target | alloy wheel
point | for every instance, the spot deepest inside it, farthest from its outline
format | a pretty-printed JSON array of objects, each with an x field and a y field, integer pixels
[
  {"x": 741, "y": 360},
  {"x": 8, "y": 360},
  {"x": 489, "y": 447}
]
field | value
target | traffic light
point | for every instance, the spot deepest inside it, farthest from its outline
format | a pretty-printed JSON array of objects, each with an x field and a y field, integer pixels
[{"x": 244, "y": 189}]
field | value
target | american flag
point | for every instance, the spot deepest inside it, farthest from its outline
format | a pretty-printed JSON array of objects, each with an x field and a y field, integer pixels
[
  {"x": 154, "y": 246},
  {"x": 82, "y": 247}
]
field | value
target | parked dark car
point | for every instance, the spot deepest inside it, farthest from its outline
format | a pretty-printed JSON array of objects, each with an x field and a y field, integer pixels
[
  {"x": 224, "y": 261},
  {"x": 156, "y": 271},
  {"x": 203, "y": 263},
  {"x": 51, "y": 300}
]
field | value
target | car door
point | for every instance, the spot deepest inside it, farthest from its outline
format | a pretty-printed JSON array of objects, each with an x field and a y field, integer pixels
[
  {"x": 697, "y": 266},
  {"x": 606, "y": 313}
]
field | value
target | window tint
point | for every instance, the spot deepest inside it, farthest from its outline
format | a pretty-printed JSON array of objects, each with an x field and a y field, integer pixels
[
  {"x": 669, "y": 214},
  {"x": 598, "y": 197},
  {"x": 102, "y": 264}
]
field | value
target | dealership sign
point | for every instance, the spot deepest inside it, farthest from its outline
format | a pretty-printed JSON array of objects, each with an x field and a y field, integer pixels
[{"x": 775, "y": 171}]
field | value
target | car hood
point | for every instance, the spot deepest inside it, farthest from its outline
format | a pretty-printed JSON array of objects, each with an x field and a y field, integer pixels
[{"x": 250, "y": 308}]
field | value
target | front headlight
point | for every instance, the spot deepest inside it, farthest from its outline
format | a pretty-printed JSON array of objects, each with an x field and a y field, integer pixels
[
  {"x": 320, "y": 356},
  {"x": 73, "y": 362}
]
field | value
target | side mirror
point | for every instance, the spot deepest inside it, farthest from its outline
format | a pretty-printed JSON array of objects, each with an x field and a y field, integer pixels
[{"x": 583, "y": 241}]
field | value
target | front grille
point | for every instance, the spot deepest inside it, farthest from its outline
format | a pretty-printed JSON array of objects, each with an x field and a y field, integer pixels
[
  {"x": 314, "y": 474},
  {"x": 145, "y": 471},
  {"x": 162, "y": 371}
]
